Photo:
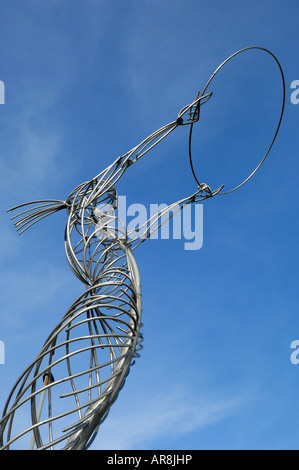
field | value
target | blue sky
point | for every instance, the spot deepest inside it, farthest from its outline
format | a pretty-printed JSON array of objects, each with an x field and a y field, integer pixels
[{"x": 85, "y": 81}]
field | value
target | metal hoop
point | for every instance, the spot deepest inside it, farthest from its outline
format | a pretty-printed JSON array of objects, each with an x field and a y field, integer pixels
[{"x": 279, "y": 122}]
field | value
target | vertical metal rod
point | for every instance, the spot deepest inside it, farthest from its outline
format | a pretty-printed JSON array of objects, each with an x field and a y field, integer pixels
[{"x": 39, "y": 410}]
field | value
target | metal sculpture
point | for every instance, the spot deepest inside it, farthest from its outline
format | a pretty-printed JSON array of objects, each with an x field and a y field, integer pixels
[{"x": 66, "y": 393}]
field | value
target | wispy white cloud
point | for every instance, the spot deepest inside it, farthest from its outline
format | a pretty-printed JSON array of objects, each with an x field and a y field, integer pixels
[
  {"x": 172, "y": 414},
  {"x": 32, "y": 149}
]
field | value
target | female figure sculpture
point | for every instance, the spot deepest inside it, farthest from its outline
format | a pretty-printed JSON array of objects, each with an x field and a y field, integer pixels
[{"x": 84, "y": 362}]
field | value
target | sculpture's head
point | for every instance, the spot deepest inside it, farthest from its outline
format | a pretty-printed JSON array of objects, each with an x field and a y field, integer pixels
[{"x": 89, "y": 196}]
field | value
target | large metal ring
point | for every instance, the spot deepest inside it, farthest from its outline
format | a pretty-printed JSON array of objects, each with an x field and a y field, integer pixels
[{"x": 277, "y": 128}]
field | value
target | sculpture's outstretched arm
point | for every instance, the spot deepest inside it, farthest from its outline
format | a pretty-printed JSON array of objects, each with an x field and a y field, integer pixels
[
  {"x": 154, "y": 223},
  {"x": 92, "y": 190}
]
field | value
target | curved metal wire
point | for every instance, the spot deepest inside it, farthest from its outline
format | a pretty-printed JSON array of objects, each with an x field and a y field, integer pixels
[
  {"x": 279, "y": 121},
  {"x": 65, "y": 394}
]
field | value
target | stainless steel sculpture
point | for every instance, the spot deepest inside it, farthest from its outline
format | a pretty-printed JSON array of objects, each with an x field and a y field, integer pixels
[{"x": 65, "y": 394}]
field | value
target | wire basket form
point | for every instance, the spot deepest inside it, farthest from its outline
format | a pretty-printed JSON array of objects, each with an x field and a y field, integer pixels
[{"x": 65, "y": 394}]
